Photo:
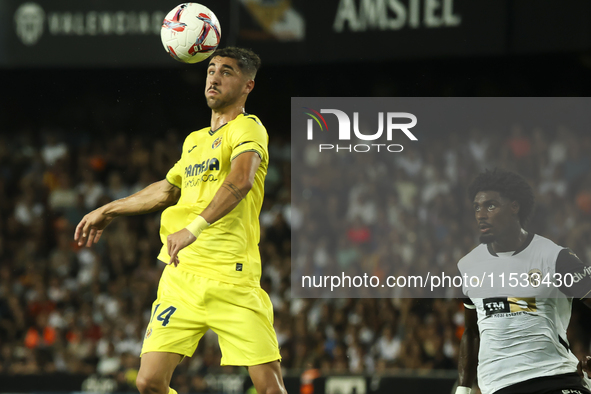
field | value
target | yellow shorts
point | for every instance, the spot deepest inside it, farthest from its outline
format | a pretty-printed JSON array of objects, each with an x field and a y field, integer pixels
[{"x": 188, "y": 305}]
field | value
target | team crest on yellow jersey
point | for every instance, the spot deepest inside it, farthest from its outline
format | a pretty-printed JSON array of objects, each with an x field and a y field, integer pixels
[{"x": 216, "y": 143}]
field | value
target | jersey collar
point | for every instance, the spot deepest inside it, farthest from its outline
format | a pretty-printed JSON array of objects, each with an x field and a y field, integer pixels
[
  {"x": 524, "y": 245},
  {"x": 212, "y": 132}
]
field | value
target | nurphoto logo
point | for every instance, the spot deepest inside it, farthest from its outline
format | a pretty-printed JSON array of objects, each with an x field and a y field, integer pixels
[{"x": 389, "y": 121}]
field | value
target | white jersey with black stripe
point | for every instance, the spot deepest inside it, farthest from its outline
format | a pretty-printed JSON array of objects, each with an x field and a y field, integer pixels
[{"x": 522, "y": 331}]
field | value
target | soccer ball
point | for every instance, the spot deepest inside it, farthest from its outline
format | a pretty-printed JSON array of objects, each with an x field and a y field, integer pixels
[{"x": 190, "y": 33}]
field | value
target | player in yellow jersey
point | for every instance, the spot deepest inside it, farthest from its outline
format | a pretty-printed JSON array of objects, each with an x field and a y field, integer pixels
[{"x": 210, "y": 231}]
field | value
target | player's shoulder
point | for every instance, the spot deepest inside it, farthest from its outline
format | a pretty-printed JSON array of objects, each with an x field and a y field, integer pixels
[
  {"x": 539, "y": 241},
  {"x": 196, "y": 134},
  {"x": 248, "y": 120},
  {"x": 247, "y": 127},
  {"x": 544, "y": 241},
  {"x": 474, "y": 255}
]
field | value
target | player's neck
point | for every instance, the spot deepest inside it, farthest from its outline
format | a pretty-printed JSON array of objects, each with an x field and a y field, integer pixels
[
  {"x": 511, "y": 241},
  {"x": 222, "y": 116}
]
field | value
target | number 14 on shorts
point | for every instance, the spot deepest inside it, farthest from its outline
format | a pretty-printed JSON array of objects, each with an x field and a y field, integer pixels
[{"x": 164, "y": 316}]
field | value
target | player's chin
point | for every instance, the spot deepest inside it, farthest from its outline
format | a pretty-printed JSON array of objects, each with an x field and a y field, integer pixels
[
  {"x": 213, "y": 103},
  {"x": 487, "y": 238}
]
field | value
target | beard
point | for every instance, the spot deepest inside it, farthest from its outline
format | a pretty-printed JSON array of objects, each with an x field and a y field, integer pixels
[
  {"x": 487, "y": 238},
  {"x": 219, "y": 102},
  {"x": 215, "y": 103}
]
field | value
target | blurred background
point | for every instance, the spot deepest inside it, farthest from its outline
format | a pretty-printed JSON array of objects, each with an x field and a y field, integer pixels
[{"x": 93, "y": 109}]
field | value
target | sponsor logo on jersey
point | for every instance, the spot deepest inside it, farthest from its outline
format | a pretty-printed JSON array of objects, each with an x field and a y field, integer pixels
[
  {"x": 192, "y": 182},
  {"x": 212, "y": 164},
  {"x": 196, "y": 173},
  {"x": 579, "y": 276},
  {"x": 149, "y": 332},
  {"x": 522, "y": 304},
  {"x": 190, "y": 150},
  {"x": 216, "y": 143},
  {"x": 238, "y": 266},
  {"x": 492, "y": 306},
  {"x": 508, "y": 306}
]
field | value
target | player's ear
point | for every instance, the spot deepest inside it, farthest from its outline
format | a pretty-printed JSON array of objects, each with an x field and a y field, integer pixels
[
  {"x": 515, "y": 207},
  {"x": 249, "y": 86}
]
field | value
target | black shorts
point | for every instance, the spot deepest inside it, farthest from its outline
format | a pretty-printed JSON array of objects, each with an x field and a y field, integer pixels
[{"x": 570, "y": 383}]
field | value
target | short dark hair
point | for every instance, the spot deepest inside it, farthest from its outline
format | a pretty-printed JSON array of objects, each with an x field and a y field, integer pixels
[
  {"x": 508, "y": 184},
  {"x": 248, "y": 61}
]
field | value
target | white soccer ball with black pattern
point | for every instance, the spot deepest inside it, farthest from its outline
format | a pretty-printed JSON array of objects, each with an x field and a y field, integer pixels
[{"x": 190, "y": 32}]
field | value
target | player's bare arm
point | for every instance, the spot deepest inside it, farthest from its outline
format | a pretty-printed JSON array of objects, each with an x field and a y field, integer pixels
[
  {"x": 157, "y": 196},
  {"x": 585, "y": 365},
  {"x": 469, "y": 345},
  {"x": 237, "y": 184},
  {"x": 235, "y": 187}
]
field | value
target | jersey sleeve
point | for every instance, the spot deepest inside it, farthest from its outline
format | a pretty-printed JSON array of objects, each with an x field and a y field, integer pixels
[
  {"x": 465, "y": 298},
  {"x": 568, "y": 263},
  {"x": 249, "y": 136},
  {"x": 175, "y": 175}
]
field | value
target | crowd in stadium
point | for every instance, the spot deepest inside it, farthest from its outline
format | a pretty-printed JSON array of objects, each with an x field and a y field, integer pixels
[{"x": 84, "y": 310}]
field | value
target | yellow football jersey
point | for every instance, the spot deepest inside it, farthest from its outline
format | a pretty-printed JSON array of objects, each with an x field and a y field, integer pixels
[{"x": 228, "y": 249}]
